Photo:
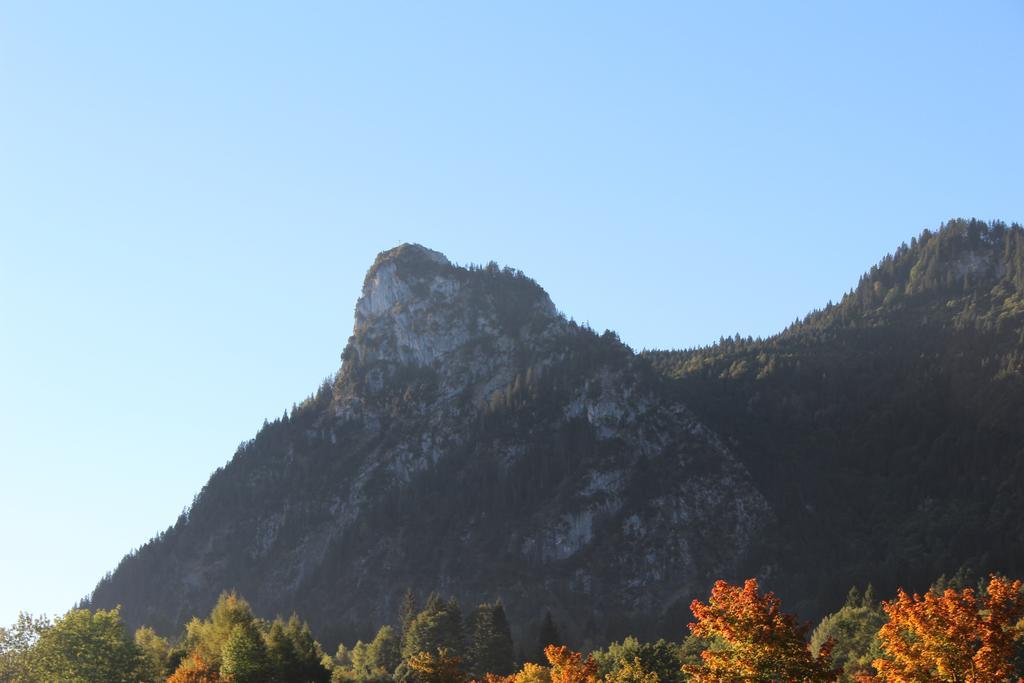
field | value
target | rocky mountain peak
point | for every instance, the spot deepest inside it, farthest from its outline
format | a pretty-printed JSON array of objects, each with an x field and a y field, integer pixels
[
  {"x": 476, "y": 442},
  {"x": 399, "y": 278},
  {"x": 418, "y": 309}
]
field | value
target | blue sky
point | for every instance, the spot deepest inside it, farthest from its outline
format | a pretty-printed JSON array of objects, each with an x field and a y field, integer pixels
[{"x": 190, "y": 194}]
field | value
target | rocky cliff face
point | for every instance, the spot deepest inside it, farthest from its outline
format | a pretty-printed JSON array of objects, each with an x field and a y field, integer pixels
[{"x": 474, "y": 442}]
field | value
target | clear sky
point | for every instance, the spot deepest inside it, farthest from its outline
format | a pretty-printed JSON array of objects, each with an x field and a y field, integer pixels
[{"x": 190, "y": 194}]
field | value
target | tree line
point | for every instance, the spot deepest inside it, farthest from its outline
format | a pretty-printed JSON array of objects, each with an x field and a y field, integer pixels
[{"x": 954, "y": 633}]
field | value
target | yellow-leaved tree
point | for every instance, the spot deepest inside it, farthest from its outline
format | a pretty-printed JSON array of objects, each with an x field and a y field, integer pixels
[{"x": 439, "y": 667}]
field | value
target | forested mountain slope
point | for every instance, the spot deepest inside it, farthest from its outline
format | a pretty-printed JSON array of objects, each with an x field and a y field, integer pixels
[
  {"x": 886, "y": 431},
  {"x": 477, "y": 443},
  {"x": 474, "y": 442}
]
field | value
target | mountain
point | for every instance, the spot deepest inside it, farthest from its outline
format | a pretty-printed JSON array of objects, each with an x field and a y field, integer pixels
[
  {"x": 478, "y": 443},
  {"x": 473, "y": 442},
  {"x": 886, "y": 431}
]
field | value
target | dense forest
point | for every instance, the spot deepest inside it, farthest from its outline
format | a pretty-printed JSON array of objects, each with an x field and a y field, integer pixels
[
  {"x": 886, "y": 430},
  {"x": 958, "y": 631}
]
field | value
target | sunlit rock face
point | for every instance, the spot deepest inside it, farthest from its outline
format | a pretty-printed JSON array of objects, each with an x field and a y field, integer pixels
[
  {"x": 418, "y": 311},
  {"x": 406, "y": 313},
  {"x": 474, "y": 442}
]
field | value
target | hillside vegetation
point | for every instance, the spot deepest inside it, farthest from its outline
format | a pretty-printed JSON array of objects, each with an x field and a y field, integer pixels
[{"x": 886, "y": 430}]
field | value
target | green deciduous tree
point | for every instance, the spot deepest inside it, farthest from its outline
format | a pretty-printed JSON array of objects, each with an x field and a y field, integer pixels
[
  {"x": 16, "y": 647},
  {"x": 155, "y": 652},
  {"x": 85, "y": 647}
]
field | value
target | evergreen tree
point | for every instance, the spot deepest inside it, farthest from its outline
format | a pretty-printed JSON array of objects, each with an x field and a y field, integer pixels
[
  {"x": 358, "y": 665},
  {"x": 868, "y": 599},
  {"x": 385, "y": 652},
  {"x": 661, "y": 658},
  {"x": 155, "y": 652},
  {"x": 294, "y": 654},
  {"x": 548, "y": 636},
  {"x": 434, "y": 603},
  {"x": 244, "y": 659},
  {"x": 373, "y": 661},
  {"x": 280, "y": 652},
  {"x": 208, "y": 637},
  {"x": 492, "y": 650},
  {"x": 854, "y": 629},
  {"x": 437, "y": 626},
  {"x": 408, "y": 612}
]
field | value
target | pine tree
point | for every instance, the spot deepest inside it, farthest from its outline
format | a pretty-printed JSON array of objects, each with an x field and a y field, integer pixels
[
  {"x": 245, "y": 658},
  {"x": 492, "y": 650},
  {"x": 548, "y": 636},
  {"x": 854, "y": 630},
  {"x": 408, "y": 611},
  {"x": 293, "y": 654},
  {"x": 439, "y": 625},
  {"x": 660, "y": 658},
  {"x": 384, "y": 653}
]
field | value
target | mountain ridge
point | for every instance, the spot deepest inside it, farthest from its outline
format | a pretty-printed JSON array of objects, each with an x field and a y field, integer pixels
[
  {"x": 913, "y": 387},
  {"x": 476, "y": 442}
]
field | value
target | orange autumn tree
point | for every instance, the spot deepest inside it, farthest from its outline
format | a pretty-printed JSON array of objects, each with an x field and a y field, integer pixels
[
  {"x": 956, "y": 636},
  {"x": 570, "y": 667},
  {"x": 567, "y": 666},
  {"x": 195, "y": 670},
  {"x": 496, "y": 678},
  {"x": 754, "y": 641},
  {"x": 530, "y": 673}
]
